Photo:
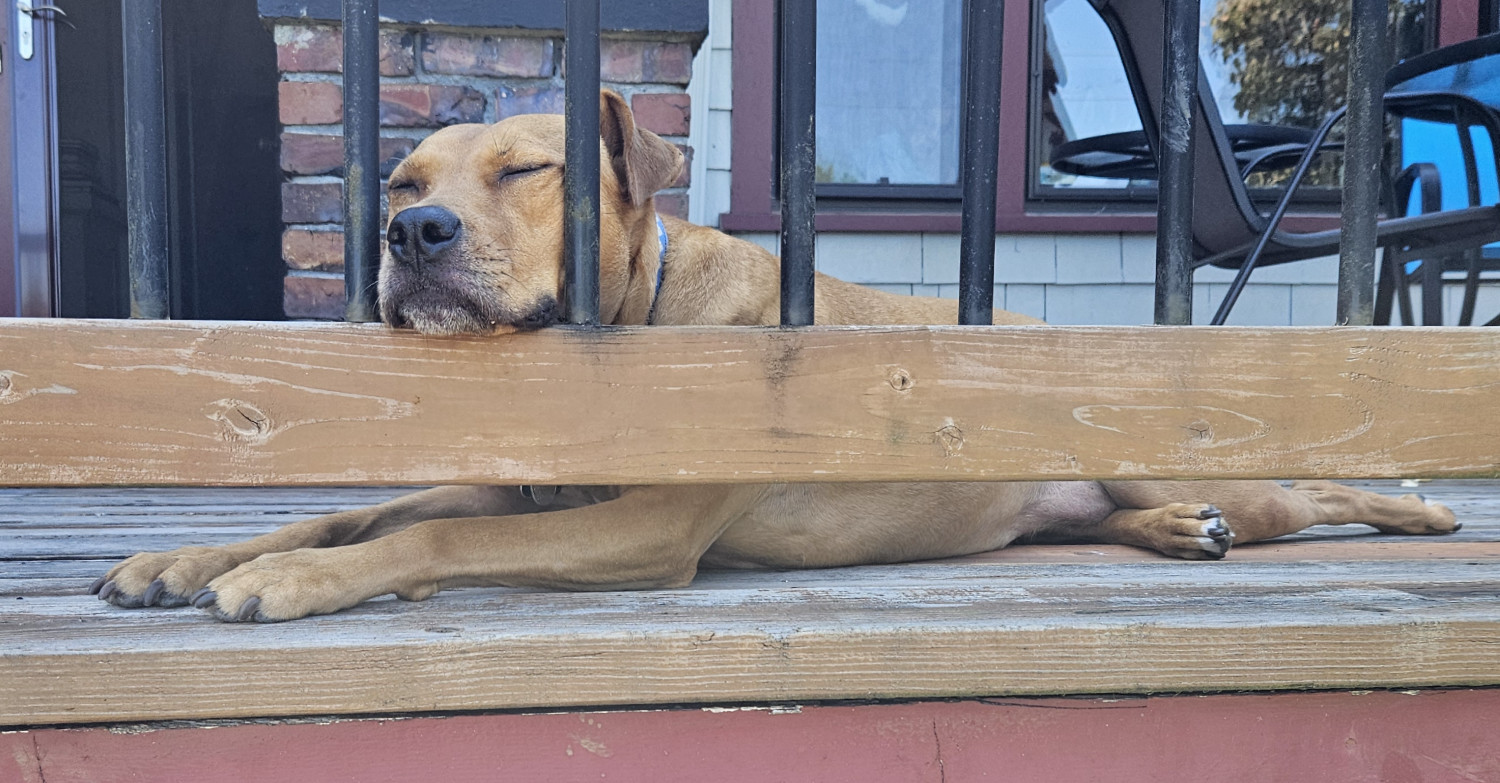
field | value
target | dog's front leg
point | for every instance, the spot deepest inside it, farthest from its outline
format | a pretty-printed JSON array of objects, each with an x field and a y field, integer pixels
[
  {"x": 648, "y": 537},
  {"x": 171, "y": 578}
]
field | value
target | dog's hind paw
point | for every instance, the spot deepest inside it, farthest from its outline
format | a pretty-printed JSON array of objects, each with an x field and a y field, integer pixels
[
  {"x": 1417, "y": 516},
  {"x": 1191, "y": 531}
]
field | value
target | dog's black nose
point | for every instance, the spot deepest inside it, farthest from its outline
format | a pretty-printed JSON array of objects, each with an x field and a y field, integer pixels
[{"x": 418, "y": 234}]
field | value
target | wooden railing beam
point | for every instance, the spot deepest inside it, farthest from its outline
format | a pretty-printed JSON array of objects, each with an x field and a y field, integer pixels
[{"x": 198, "y": 403}]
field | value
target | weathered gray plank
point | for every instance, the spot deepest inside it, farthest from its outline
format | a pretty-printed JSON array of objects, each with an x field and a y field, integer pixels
[
  {"x": 210, "y": 403},
  {"x": 862, "y": 633},
  {"x": 1327, "y": 611}
]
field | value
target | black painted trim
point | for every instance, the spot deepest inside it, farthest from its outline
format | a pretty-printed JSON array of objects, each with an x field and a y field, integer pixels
[{"x": 670, "y": 16}]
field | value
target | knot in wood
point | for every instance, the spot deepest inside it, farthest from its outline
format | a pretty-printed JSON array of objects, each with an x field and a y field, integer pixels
[
  {"x": 243, "y": 420},
  {"x": 951, "y": 439},
  {"x": 4, "y": 384},
  {"x": 901, "y": 381}
]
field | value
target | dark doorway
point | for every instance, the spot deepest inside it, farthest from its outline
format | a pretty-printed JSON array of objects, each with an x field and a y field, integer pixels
[{"x": 222, "y": 148}]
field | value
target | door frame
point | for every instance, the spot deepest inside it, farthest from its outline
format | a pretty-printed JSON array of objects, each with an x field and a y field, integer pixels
[{"x": 28, "y": 165}]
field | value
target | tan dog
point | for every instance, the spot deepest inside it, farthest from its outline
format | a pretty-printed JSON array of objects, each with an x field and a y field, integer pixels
[{"x": 476, "y": 246}]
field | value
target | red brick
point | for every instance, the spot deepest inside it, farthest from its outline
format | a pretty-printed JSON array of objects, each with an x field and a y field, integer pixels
[
  {"x": 306, "y": 153},
  {"x": 535, "y": 99},
  {"x": 473, "y": 55},
  {"x": 672, "y": 204},
  {"x": 301, "y": 48},
  {"x": 315, "y": 153},
  {"x": 429, "y": 105},
  {"x": 313, "y": 250},
  {"x": 645, "y": 61},
  {"x": 398, "y": 53},
  {"x": 310, "y": 103},
  {"x": 313, "y": 297},
  {"x": 670, "y": 63},
  {"x": 309, "y": 48},
  {"x": 312, "y": 202},
  {"x": 665, "y": 113}
]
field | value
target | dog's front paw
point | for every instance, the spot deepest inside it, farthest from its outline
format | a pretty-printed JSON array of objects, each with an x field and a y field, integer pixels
[
  {"x": 163, "y": 578},
  {"x": 289, "y": 585}
]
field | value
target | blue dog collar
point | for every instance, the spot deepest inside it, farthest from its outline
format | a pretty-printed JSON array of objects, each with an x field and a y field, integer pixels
[{"x": 661, "y": 267}]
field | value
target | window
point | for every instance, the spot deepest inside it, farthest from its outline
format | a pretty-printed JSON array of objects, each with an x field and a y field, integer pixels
[
  {"x": 888, "y": 79},
  {"x": 1080, "y": 91},
  {"x": 1061, "y": 80},
  {"x": 1276, "y": 63}
]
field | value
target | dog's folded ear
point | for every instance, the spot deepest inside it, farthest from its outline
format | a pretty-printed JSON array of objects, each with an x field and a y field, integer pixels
[{"x": 643, "y": 162}]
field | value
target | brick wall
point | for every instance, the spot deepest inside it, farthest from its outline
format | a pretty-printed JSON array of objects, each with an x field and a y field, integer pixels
[{"x": 431, "y": 78}]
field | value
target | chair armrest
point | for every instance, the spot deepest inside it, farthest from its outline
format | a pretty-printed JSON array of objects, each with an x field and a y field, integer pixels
[{"x": 1431, "y": 181}]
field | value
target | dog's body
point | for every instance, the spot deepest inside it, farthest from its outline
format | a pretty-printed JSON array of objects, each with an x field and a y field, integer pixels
[{"x": 476, "y": 246}]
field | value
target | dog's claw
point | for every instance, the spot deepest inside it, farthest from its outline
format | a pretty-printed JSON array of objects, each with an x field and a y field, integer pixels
[
  {"x": 153, "y": 591},
  {"x": 98, "y": 583},
  {"x": 248, "y": 609},
  {"x": 1210, "y": 512},
  {"x": 204, "y": 598},
  {"x": 106, "y": 590}
]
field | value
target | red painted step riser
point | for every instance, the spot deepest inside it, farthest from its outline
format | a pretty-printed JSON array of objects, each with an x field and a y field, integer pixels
[{"x": 1430, "y": 737}]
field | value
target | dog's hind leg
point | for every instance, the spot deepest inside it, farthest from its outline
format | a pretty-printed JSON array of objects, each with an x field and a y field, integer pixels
[
  {"x": 171, "y": 578},
  {"x": 1200, "y": 519}
]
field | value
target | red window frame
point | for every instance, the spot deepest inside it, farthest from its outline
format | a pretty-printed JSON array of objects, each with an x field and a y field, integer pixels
[{"x": 752, "y": 202}]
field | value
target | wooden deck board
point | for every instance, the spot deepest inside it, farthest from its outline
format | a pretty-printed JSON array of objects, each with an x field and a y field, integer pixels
[{"x": 1333, "y": 607}]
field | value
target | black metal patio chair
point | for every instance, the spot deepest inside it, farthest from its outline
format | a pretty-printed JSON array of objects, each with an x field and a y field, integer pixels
[
  {"x": 1471, "y": 69},
  {"x": 1229, "y": 231}
]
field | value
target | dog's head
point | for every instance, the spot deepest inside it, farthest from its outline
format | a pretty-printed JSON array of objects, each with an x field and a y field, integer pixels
[{"x": 475, "y": 239}]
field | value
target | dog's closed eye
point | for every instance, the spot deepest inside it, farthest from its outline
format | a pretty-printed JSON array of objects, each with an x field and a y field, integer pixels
[{"x": 522, "y": 170}]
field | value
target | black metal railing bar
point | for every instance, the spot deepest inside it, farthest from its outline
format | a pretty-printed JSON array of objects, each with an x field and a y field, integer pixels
[
  {"x": 983, "y": 29},
  {"x": 146, "y": 207},
  {"x": 581, "y": 175},
  {"x": 797, "y": 157},
  {"x": 362, "y": 227},
  {"x": 1364, "y": 137},
  {"x": 1174, "y": 207}
]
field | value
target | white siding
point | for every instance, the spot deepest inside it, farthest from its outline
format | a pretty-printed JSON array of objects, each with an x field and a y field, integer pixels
[
  {"x": 711, "y": 90},
  {"x": 1081, "y": 278}
]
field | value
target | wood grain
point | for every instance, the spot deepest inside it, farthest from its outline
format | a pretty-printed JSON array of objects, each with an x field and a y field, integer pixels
[{"x": 184, "y": 403}]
